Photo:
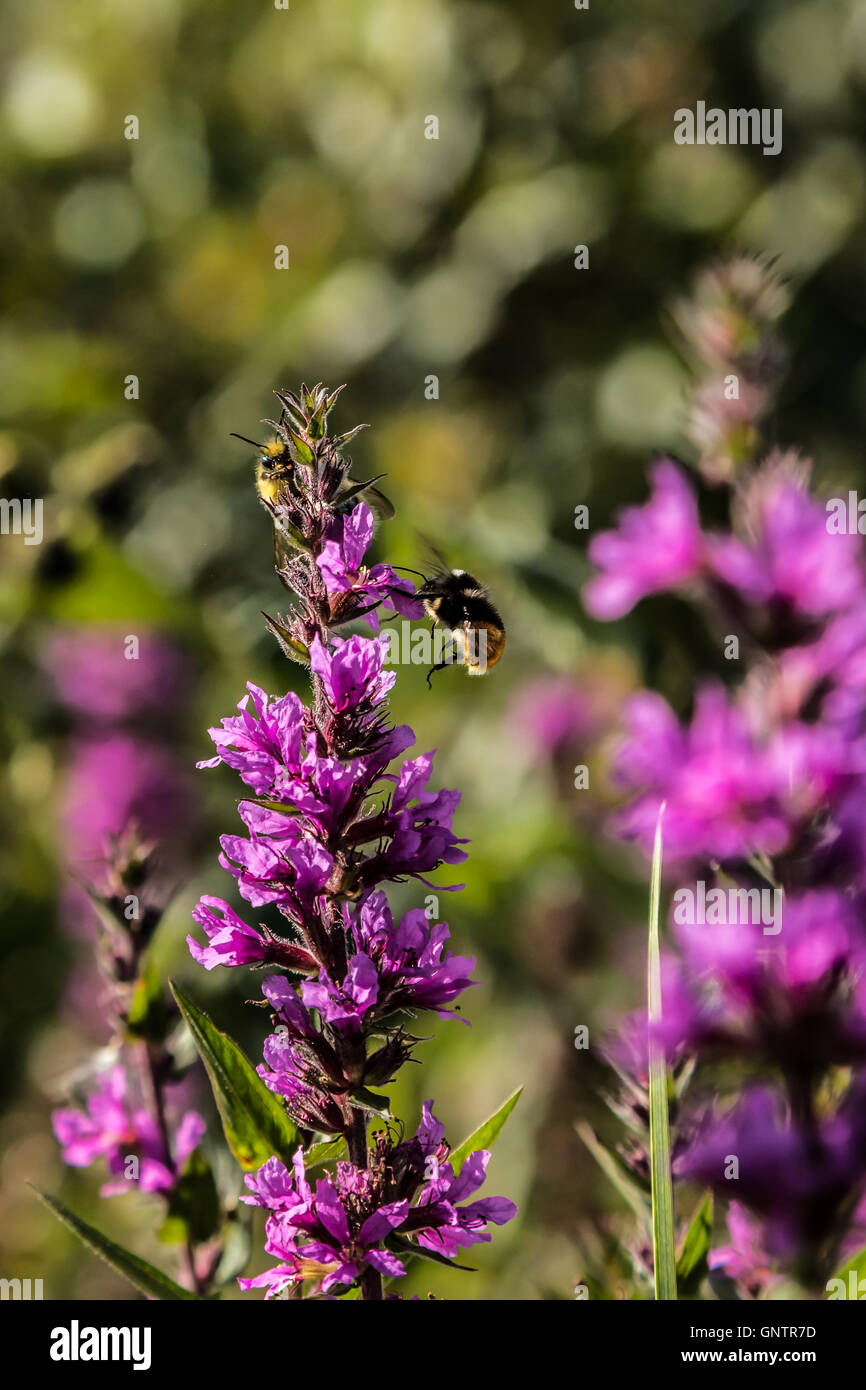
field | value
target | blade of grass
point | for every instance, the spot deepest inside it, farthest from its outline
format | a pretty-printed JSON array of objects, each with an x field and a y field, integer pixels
[{"x": 664, "y": 1245}]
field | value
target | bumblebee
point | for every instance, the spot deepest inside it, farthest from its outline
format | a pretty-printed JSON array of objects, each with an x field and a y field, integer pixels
[
  {"x": 458, "y": 602},
  {"x": 275, "y": 468}
]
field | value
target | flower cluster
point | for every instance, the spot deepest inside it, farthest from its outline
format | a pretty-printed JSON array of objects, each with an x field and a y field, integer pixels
[
  {"x": 334, "y": 812},
  {"x": 407, "y": 1198},
  {"x": 762, "y": 791}
]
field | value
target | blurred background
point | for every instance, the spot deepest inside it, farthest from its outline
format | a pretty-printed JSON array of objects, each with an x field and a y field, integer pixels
[{"x": 145, "y": 319}]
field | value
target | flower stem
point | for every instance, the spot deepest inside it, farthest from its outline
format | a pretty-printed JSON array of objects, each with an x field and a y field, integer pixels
[{"x": 371, "y": 1279}]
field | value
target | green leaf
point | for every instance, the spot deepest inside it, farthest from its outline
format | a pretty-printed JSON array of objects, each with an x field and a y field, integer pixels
[
  {"x": 405, "y": 1247},
  {"x": 856, "y": 1265},
  {"x": 614, "y": 1169},
  {"x": 301, "y": 450},
  {"x": 237, "y": 1246},
  {"x": 146, "y": 1277},
  {"x": 256, "y": 1125},
  {"x": 343, "y": 439},
  {"x": 283, "y": 808},
  {"x": 485, "y": 1135},
  {"x": 290, "y": 645},
  {"x": 363, "y": 1099},
  {"x": 148, "y": 1016},
  {"x": 324, "y": 1152},
  {"x": 692, "y": 1255},
  {"x": 664, "y": 1250},
  {"x": 194, "y": 1205}
]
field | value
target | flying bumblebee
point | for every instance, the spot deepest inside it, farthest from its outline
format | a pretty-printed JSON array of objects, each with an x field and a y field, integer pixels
[{"x": 458, "y": 602}]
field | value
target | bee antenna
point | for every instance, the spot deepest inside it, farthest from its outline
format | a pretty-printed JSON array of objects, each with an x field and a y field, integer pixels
[
  {"x": 232, "y": 435},
  {"x": 406, "y": 570}
]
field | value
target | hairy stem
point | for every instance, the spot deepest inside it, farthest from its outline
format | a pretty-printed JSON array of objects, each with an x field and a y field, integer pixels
[{"x": 371, "y": 1279}]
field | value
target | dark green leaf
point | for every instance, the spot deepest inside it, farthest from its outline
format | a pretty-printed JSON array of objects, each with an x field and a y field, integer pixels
[
  {"x": 290, "y": 645},
  {"x": 664, "y": 1250},
  {"x": 283, "y": 808},
  {"x": 148, "y": 1016},
  {"x": 325, "y": 1152},
  {"x": 405, "y": 1247},
  {"x": 485, "y": 1135},
  {"x": 369, "y": 1100},
  {"x": 615, "y": 1170},
  {"x": 350, "y": 434},
  {"x": 146, "y": 1277},
  {"x": 256, "y": 1125},
  {"x": 301, "y": 450},
  {"x": 692, "y": 1255},
  {"x": 194, "y": 1205}
]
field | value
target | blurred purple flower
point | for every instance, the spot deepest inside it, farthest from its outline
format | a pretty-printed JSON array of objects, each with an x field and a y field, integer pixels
[
  {"x": 780, "y": 552},
  {"x": 112, "y": 1128},
  {"x": 657, "y": 546},
  {"x": 93, "y": 676}
]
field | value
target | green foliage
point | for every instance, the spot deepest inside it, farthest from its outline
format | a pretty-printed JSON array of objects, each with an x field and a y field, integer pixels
[
  {"x": 256, "y": 1126},
  {"x": 194, "y": 1205},
  {"x": 664, "y": 1250},
  {"x": 485, "y": 1136},
  {"x": 693, "y": 1251},
  {"x": 146, "y": 1277}
]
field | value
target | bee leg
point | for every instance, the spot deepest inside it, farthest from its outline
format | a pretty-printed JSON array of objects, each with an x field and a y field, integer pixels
[
  {"x": 440, "y": 667},
  {"x": 447, "y": 660}
]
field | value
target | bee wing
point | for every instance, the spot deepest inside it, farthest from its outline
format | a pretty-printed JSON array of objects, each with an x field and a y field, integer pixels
[
  {"x": 283, "y": 550},
  {"x": 381, "y": 506},
  {"x": 433, "y": 561}
]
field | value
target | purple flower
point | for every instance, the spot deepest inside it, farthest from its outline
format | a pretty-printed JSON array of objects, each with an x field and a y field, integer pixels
[
  {"x": 796, "y": 1178},
  {"x": 111, "y": 1128},
  {"x": 720, "y": 789},
  {"x": 351, "y": 671},
  {"x": 781, "y": 552},
  {"x": 231, "y": 941},
  {"x": 292, "y": 877},
  {"x": 418, "y": 827},
  {"x": 350, "y": 1223},
  {"x": 451, "y": 1226},
  {"x": 340, "y": 562},
  {"x": 792, "y": 997},
  {"x": 314, "y": 1236},
  {"x": 262, "y": 746},
  {"x": 275, "y": 1188},
  {"x": 113, "y": 781},
  {"x": 656, "y": 547},
  {"x": 94, "y": 676},
  {"x": 552, "y": 711},
  {"x": 414, "y": 968},
  {"x": 744, "y": 1260},
  {"x": 345, "y": 1004}
]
